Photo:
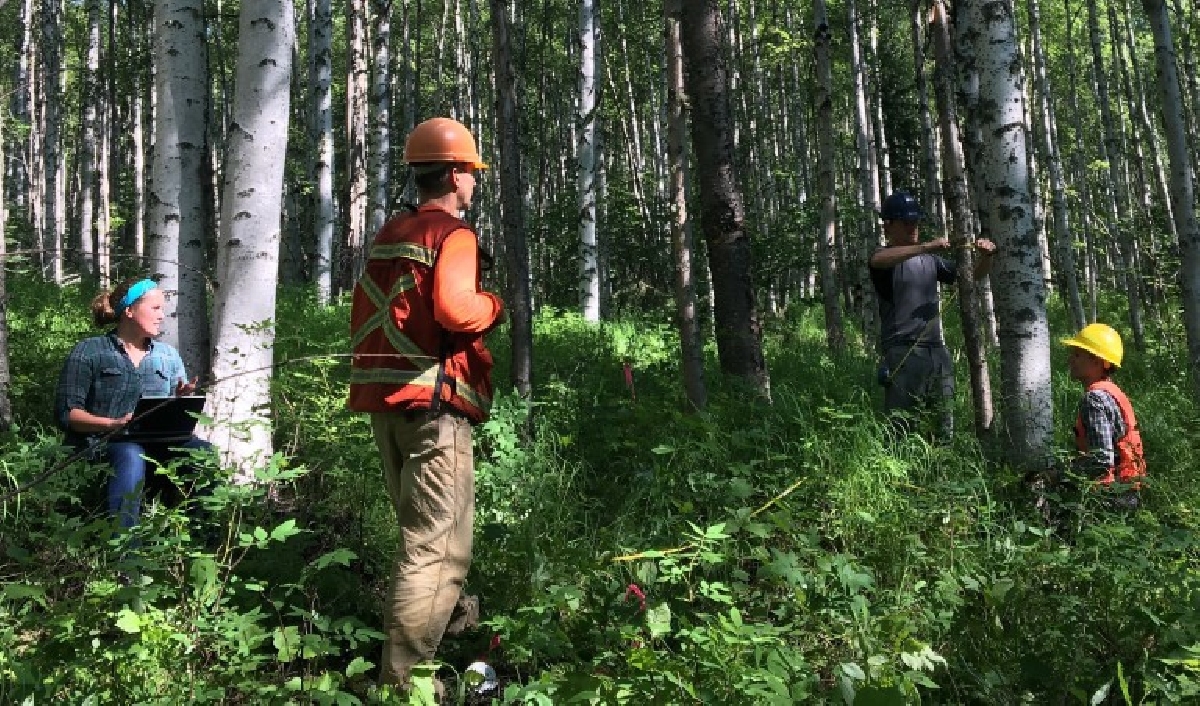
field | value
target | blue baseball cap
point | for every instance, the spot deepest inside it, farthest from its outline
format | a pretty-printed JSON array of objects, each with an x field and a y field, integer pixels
[{"x": 901, "y": 206}]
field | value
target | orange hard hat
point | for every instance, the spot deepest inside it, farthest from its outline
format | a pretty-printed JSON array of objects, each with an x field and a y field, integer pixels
[{"x": 442, "y": 140}]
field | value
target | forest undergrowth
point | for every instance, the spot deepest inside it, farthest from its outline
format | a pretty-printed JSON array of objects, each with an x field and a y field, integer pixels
[{"x": 626, "y": 552}]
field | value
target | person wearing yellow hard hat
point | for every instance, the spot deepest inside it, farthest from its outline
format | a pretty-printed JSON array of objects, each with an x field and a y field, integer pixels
[
  {"x": 1106, "y": 431},
  {"x": 421, "y": 369}
]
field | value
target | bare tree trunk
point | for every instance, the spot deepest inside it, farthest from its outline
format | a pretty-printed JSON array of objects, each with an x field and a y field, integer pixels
[
  {"x": 22, "y": 88},
  {"x": 380, "y": 169},
  {"x": 5, "y": 375},
  {"x": 585, "y": 122},
  {"x": 1182, "y": 192},
  {"x": 248, "y": 251},
  {"x": 868, "y": 186},
  {"x": 739, "y": 332},
  {"x": 89, "y": 146},
  {"x": 138, "y": 56},
  {"x": 321, "y": 46},
  {"x": 1119, "y": 228},
  {"x": 1021, "y": 302},
  {"x": 929, "y": 140},
  {"x": 1064, "y": 245},
  {"x": 177, "y": 236},
  {"x": 835, "y": 336},
  {"x": 50, "y": 241},
  {"x": 512, "y": 189},
  {"x": 690, "y": 343},
  {"x": 962, "y": 233},
  {"x": 353, "y": 253}
]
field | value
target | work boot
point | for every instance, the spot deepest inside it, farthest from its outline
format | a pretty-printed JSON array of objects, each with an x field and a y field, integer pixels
[{"x": 465, "y": 615}]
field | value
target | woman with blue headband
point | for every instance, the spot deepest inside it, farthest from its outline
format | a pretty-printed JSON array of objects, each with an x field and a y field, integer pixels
[{"x": 104, "y": 377}]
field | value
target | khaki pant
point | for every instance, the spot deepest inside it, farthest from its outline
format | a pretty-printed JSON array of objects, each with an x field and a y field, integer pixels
[{"x": 430, "y": 475}]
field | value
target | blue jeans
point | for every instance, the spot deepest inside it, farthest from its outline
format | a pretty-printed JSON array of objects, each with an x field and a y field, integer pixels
[{"x": 128, "y": 459}]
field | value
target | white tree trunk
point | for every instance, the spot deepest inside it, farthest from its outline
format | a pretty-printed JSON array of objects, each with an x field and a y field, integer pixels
[
  {"x": 89, "y": 144},
  {"x": 585, "y": 119},
  {"x": 1182, "y": 193},
  {"x": 868, "y": 184},
  {"x": 1064, "y": 241},
  {"x": 380, "y": 158},
  {"x": 352, "y": 257},
  {"x": 50, "y": 239},
  {"x": 1008, "y": 218},
  {"x": 248, "y": 250},
  {"x": 321, "y": 46},
  {"x": 177, "y": 235}
]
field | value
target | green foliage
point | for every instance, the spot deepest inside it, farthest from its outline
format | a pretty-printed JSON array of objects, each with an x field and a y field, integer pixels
[{"x": 626, "y": 552}]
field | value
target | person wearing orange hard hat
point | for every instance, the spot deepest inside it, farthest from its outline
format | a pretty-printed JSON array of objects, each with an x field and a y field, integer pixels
[
  {"x": 1106, "y": 432},
  {"x": 421, "y": 370}
]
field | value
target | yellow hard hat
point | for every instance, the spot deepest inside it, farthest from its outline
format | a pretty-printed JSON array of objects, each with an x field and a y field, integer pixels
[
  {"x": 1101, "y": 340},
  {"x": 442, "y": 140}
]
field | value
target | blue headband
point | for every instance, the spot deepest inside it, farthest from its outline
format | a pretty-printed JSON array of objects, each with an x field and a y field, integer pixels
[{"x": 137, "y": 291}]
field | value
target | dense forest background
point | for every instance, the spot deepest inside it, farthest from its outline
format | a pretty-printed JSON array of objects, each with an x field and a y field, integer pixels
[{"x": 685, "y": 492}]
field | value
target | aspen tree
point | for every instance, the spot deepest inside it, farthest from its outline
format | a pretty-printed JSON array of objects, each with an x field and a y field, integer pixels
[
  {"x": 1182, "y": 187},
  {"x": 1007, "y": 217},
  {"x": 177, "y": 236},
  {"x": 835, "y": 337},
  {"x": 585, "y": 123},
  {"x": 691, "y": 353},
  {"x": 722, "y": 217},
  {"x": 518, "y": 300},
  {"x": 248, "y": 249}
]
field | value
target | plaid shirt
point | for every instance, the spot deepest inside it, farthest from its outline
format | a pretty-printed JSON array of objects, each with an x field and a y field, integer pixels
[
  {"x": 1103, "y": 426},
  {"x": 99, "y": 378}
]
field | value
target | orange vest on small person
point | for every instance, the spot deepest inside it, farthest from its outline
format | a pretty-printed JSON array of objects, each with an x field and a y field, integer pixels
[
  {"x": 1130, "y": 462},
  {"x": 396, "y": 340}
]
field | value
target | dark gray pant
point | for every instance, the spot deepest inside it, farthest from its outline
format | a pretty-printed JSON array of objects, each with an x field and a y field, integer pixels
[{"x": 921, "y": 384}]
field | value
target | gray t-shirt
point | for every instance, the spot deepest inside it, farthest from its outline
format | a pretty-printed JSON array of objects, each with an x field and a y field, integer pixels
[{"x": 908, "y": 300}]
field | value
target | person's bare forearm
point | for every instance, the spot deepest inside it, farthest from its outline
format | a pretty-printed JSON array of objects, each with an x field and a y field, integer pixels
[{"x": 896, "y": 254}]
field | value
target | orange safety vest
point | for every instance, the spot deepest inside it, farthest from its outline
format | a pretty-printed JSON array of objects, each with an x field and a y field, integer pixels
[
  {"x": 397, "y": 342},
  {"x": 1131, "y": 463}
]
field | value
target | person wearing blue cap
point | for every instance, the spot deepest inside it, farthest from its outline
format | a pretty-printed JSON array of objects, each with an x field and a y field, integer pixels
[
  {"x": 916, "y": 372},
  {"x": 102, "y": 380}
]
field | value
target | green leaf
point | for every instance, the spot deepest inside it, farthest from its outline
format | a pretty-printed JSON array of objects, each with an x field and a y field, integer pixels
[
  {"x": 658, "y": 619},
  {"x": 358, "y": 666},
  {"x": 852, "y": 670},
  {"x": 285, "y": 530},
  {"x": 129, "y": 621}
]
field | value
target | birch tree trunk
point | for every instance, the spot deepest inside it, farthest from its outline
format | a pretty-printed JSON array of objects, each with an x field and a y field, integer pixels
[
  {"x": 962, "y": 218},
  {"x": 22, "y": 85},
  {"x": 380, "y": 168},
  {"x": 321, "y": 46},
  {"x": 585, "y": 123},
  {"x": 248, "y": 251},
  {"x": 1064, "y": 241},
  {"x": 1117, "y": 206},
  {"x": 1008, "y": 217},
  {"x": 512, "y": 194},
  {"x": 1182, "y": 188},
  {"x": 177, "y": 235},
  {"x": 868, "y": 186},
  {"x": 739, "y": 331},
  {"x": 691, "y": 347},
  {"x": 50, "y": 240},
  {"x": 835, "y": 336},
  {"x": 89, "y": 145},
  {"x": 929, "y": 140},
  {"x": 138, "y": 56},
  {"x": 5, "y": 374},
  {"x": 352, "y": 257}
]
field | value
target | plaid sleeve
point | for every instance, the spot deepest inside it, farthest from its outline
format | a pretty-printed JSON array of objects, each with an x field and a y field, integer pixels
[
  {"x": 74, "y": 383},
  {"x": 1102, "y": 425}
]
